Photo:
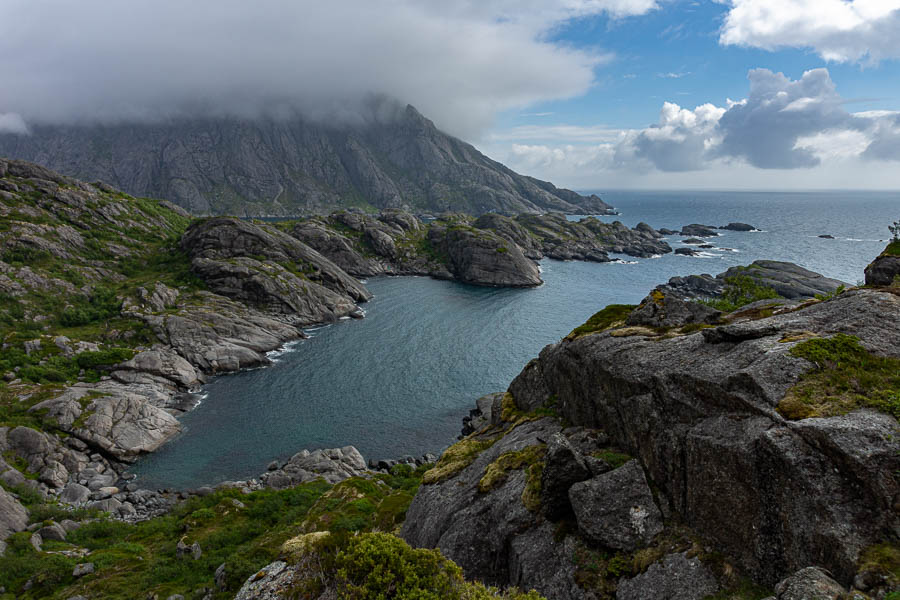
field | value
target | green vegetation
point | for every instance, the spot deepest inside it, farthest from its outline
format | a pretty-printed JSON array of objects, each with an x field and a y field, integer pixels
[
  {"x": 379, "y": 566},
  {"x": 884, "y": 560},
  {"x": 495, "y": 474},
  {"x": 846, "y": 377},
  {"x": 244, "y": 531},
  {"x": 611, "y": 316},
  {"x": 739, "y": 291},
  {"x": 892, "y": 249},
  {"x": 613, "y": 458},
  {"x": 511, "y": 413},
  {"x": 833, "y": 294},
  {"x": 456, "y": 458}
]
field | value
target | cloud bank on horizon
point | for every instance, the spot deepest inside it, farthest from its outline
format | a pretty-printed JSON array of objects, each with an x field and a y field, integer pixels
[
  {"x": 466, "y": 64},
  {"x": 782, "y": 124}
]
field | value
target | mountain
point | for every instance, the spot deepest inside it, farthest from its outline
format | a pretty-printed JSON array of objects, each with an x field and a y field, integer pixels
[{"x": 295, "y": 166}]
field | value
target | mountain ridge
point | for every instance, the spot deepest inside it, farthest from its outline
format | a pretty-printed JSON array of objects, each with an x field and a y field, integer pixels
[{"x": 269, "y": 167}]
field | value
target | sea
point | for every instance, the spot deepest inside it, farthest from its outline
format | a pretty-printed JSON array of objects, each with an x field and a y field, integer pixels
[{"x": 399, "y": 382}]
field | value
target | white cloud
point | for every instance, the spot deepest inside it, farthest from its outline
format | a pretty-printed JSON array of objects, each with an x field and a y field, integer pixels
[
  {"x": 458, "y": 62},
  {"x": 838, "y": 30},
  {"x": 797, "y": 126},
  {"x": 12, "y": 123}
]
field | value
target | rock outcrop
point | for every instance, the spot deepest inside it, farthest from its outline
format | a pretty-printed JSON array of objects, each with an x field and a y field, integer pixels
[
  {"x": 332, "y": 465},
  {"x": 397, "y": 243},
  {"x": 394, "y": 158},
  {"x": 679, "y": 452},
  {"x": 885, "y": 270},
  {"x": 266, "y": 268},
  {"x": 787, "y": 279}
]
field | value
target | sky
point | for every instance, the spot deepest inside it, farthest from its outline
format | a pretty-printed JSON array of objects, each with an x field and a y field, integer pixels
[{"x": 589, "y": 94}]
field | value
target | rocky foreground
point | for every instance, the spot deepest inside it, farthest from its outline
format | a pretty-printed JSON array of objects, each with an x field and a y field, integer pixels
[{"x": 671, "y": 449}]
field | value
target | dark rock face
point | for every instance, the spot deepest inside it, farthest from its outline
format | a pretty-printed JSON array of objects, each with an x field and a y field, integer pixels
[
  {"x": 483, "y": 258},
  {"x": 294, "y": 166},
  {"x": 659, "y": 310},
  {"x": 787, "y": 279},
  {"x": 482, "y": 532},
  {"x": 686, "y": 252},
  {"x": 675, "y": 577},
  {"x": 738, "y": 227},
  {"x": 616, "y": 509},
  {"x": 773, "y": 495},
  {"x": 697, "y": 230},
  {"x": 885, "y": 269},
  {"x": 271, "y": 270},
  {"x": 563, "y": 468}
]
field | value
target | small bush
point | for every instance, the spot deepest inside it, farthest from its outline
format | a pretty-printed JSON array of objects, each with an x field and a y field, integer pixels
[
  {"x": 378, "y": 566},
  {"x": 739, "y": 291},
  {"x": 102, "y": 304}
]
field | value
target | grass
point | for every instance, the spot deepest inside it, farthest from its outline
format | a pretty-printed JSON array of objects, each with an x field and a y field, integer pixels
[
  {"x": 495, "y": 474},
  {"x": 611, "y": 457},
  {"x": 739, "y": 291},
  {"x": 456, "y": 458},
  {"x": 846, "y": 377},
  {"x": 611, "y": 316},
  {"x": 883, "y": 559},
  {"x": 892, "y": 249},
  {"x": 142, "y": 556}
]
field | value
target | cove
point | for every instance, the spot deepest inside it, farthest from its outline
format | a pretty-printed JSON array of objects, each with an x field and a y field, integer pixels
[{"x": 399, "y": 381}]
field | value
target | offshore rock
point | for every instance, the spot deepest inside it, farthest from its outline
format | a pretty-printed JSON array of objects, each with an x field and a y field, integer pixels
[
  {"x": 483, "y": 258},
  {"x": 787, "y": 279}
]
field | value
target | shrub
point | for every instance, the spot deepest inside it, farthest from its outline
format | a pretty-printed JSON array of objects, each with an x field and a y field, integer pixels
[
  {"x": 739, "y": 291},
  {"x": 102, "y": 304},
  {"x": 378, "y": 566},
  {"x": 103, "y": 358}
]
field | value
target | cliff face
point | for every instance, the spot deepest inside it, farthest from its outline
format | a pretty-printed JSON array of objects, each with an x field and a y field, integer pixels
[
  {"x": 761, "y": 441},
  {"x": 289, "y": 167}
]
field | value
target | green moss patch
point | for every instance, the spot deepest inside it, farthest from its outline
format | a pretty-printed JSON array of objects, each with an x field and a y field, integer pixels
[
  {"x": 496, "y": 472},
  {"x": 846, "y": 376},
  {"x": 456, "y": 458},
  {"x": 612, "y": 458},
  {"x": 611, "y": 316}
]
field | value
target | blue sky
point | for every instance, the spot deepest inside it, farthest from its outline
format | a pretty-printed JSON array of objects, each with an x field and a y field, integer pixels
[
  {"x": 673, "y": 53},
  {"x": 589, "y": 94}
]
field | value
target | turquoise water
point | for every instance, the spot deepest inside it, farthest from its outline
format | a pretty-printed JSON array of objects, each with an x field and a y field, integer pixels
[{"x": 400, "y": 381}]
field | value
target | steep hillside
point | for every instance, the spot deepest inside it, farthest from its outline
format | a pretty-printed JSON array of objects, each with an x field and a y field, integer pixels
[{"x": 290, "y": 167}]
